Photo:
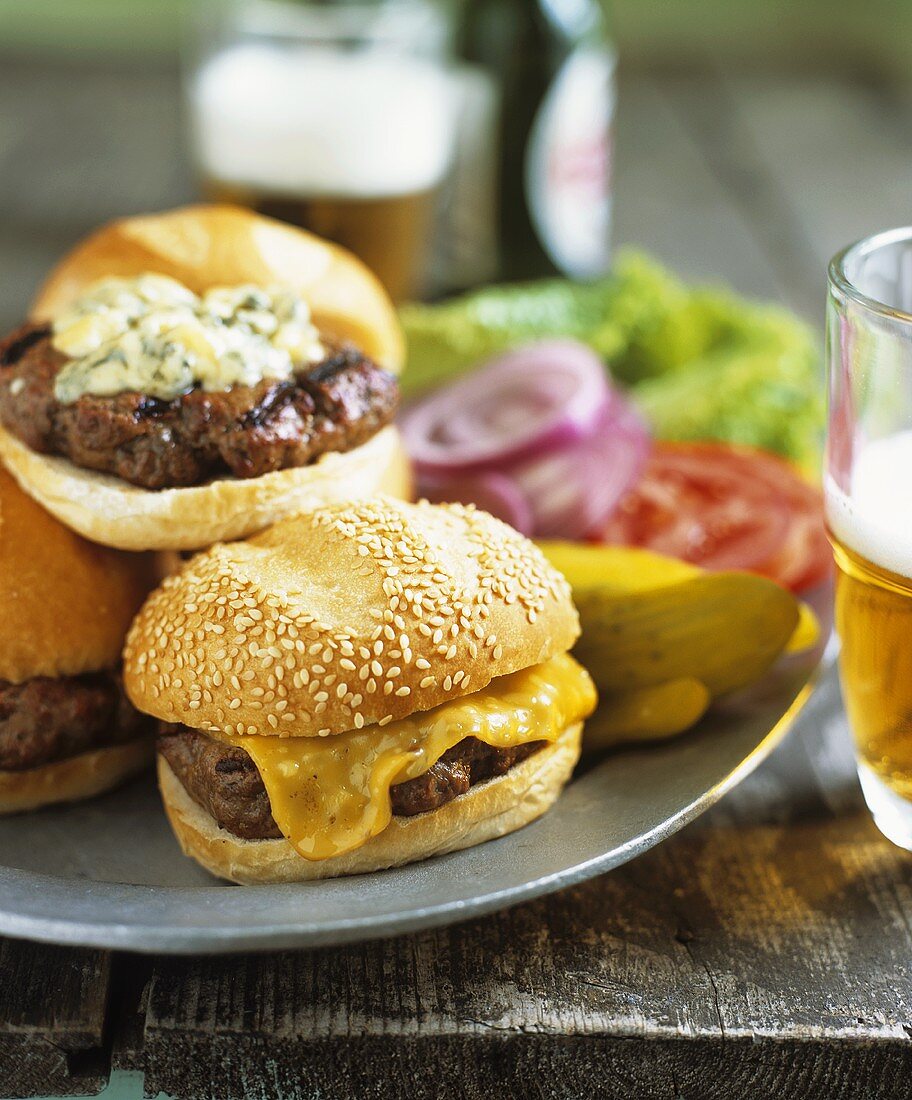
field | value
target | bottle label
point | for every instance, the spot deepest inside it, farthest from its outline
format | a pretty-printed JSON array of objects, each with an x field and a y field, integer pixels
[{"x": 568, "y": 164}]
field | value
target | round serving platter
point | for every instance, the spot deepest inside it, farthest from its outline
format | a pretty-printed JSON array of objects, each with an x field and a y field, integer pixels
[{"x": 108, "y": 873}]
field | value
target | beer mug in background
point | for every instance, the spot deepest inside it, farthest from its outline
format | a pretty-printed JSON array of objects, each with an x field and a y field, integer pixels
[
  {"x": 869, "y": 511},
  {"x": 337, "y": 117}
]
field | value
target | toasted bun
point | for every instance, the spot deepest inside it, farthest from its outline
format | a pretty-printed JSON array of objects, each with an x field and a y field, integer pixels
[
  {"x": 65, "y": 604},
  {"x": 111, "y": 511},
  {"x": 488, "y": 810},
  {"x": 71, "y": 780},
  {"x": 207, "y": 246},
  {"x": 350, "y": 615}
]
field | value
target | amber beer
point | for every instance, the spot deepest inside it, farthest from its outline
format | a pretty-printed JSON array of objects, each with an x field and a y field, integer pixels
[
  {"x": 352, "y": 145},
  {"x": 392, "y": 234},
  {"x": 874, "y": 621},
  {"x": 868, "y": 498}
]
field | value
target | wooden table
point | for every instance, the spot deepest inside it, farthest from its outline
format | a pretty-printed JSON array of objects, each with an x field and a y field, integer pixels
[{"x": 764, "y": 951}]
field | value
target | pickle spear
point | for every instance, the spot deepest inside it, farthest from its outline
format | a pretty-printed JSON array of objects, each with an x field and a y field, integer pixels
[
  {"x": 647, "y": 619},
  {"x": 646, "y": 714}
]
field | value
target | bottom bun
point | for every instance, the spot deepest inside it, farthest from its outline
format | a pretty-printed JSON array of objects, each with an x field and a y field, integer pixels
[
  {"x": 488, "y": 810},
  {"x": 74, "y": 779},
  {"x": 109, "y": 510}
]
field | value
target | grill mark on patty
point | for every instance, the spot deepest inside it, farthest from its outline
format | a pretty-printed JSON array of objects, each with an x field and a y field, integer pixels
[
  {"x": 225, "y": 782},
  {"x": 242, "y": 432},
  {"x": 20, "y": 342},
  {"x": 52, "y": 718}
]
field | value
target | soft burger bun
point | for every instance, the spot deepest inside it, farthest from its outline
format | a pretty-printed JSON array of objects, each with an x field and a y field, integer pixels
[
  {"x": 65, "y": 606},
  {"x": 114, "y": 513},
  {"x": 206, "y": 246},
  {"x": 73, "y": 779},
  {"x": 299, "y": 630},
  {"x": 65, "y": 603},
  {"x": 487, "y": 810}
]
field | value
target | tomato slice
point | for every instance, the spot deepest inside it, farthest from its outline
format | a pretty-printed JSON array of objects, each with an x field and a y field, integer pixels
[
  {"x": 805, "y": 559},
  {"x": 722, "y": 506}
]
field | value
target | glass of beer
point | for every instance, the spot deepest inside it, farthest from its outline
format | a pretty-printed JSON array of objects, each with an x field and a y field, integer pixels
[
  {"x": 337, "y": 117},
  {"x": 869, "y": 511}
]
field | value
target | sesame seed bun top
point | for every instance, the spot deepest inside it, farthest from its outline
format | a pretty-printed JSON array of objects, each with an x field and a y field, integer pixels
[
  {"x": 351, "y": 615},
  {"x": 65, "y": 603}
]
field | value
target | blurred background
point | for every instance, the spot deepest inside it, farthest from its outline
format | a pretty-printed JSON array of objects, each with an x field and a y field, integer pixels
[{"x": 749, "y": 141}]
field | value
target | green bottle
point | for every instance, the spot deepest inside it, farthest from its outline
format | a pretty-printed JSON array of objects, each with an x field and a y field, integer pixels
[{"x": 549, "y": 71}]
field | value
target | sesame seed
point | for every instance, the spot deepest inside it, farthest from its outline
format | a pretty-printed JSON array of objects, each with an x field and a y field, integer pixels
[{"x": 225, "y": 634}]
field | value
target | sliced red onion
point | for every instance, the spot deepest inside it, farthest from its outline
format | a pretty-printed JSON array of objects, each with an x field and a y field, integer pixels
[
  {"x": 531, "y": 401},
  {"x": 495, "y": 493},
  {"x": 573, "y": 491}
]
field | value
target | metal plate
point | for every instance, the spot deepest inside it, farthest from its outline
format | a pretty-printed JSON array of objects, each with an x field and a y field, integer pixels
[{"x": 109, "y": 873}]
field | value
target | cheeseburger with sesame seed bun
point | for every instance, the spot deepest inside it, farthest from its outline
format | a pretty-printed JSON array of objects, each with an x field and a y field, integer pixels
[
  {"x": 67, "y": 730},
  {"x": 362, "y": 686},
  {"x": 195, "y": 375}
]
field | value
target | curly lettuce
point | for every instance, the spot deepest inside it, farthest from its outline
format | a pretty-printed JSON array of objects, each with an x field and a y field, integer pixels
[{"x": 701, "y": 363}]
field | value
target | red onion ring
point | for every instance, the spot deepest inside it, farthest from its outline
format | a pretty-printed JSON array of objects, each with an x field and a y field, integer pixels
[
  {"x": 574, "y": 491},
  {"x": 493, "y": 492},
  {"x": 526, "y": 403}
]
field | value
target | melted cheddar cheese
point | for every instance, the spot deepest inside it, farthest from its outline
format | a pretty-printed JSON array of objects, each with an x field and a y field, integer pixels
[{"x": 330, "y": 795}]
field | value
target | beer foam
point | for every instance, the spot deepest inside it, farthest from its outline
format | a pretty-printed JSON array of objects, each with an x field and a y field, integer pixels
[
  {"x": 312, "y": 121},
  {"x": 875, "y": 518}
]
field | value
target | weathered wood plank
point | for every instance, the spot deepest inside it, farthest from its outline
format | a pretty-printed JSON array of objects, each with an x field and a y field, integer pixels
[
  {"x": 557, "y": 1068},
  {"x": 838, "y": 149},
  {"x": 80, "y": 144},
  {"x": 719, "y": 947},
  {"x": 813, "y": 163},
  {"x": 52, "y": 1018},
  {"x": 669, "y": 201}
]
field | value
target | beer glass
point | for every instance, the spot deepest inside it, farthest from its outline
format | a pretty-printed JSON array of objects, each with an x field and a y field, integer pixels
[
  {"x": 868, "y": 489},
  {"x": 337, "y": 117}
]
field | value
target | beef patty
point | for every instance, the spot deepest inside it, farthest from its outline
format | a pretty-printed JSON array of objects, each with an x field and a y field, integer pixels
[
  {"x": 51, "y": 718},
  {"x": 225, "y": 781},
  {"x": 242, "y": 432}
]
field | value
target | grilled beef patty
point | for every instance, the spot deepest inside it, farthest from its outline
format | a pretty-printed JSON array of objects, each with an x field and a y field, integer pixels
[
  {"x": 51, "y": 718},
  {"x": 225, "y": 781},
  {"x": 242, "y": 432}
]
